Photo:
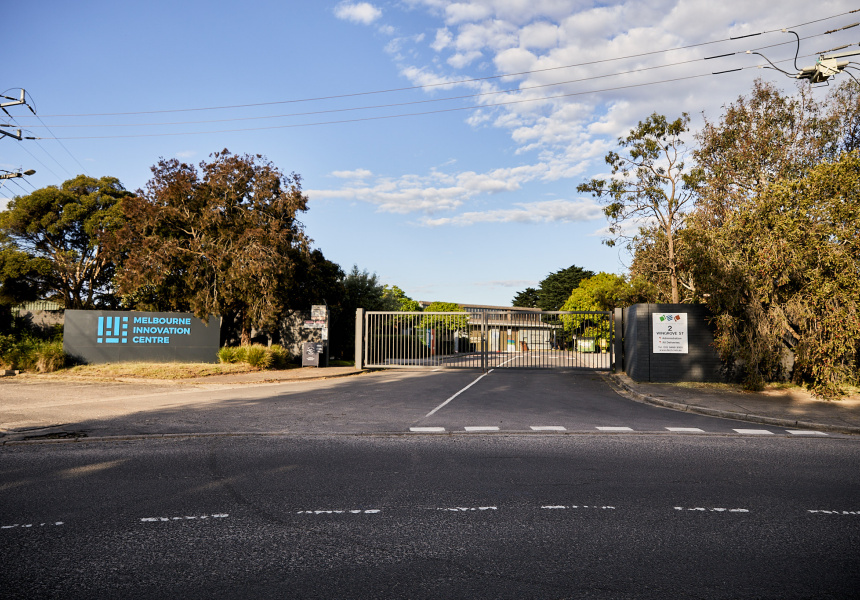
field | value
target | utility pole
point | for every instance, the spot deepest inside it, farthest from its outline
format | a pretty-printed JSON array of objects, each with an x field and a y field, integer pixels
[
  {"x": 825, "y": 67},
  {"x": 17, "y": 135}
]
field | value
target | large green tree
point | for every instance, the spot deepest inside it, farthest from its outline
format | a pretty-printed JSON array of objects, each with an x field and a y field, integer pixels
[
  {"x": 764, "y": 137},
  {"x": 649, "y": 183},
  {"x": 556, "y": 287},
  {"x": 222, "y": 239},
  {"x": 527, "y": 298},
  {"x": 65, "y": 227},
  {"x": 783, "y": 271}
]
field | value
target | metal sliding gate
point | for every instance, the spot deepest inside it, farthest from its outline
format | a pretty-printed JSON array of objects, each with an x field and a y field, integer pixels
[{"x": 486, "y": 340}]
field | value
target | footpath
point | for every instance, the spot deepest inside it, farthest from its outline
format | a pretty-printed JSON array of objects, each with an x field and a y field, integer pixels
[{"x": 791, "y": 407}]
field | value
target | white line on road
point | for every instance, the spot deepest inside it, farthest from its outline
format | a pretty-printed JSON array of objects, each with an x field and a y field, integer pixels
[
  {"x": 836, "y": 512},
  {"x": 468, "y": 509},
  {"x": 186, "y": 518},
  {"x": 371, "y": 511},
  {"x": 547, "y": 428},
  {"x": 686, "y": 429},
  {"x": 754, "y": 431},
  {"x": 615, "y": 429},
  {"x": 427, "y": 429},
  {"x": 481, "y": 428},
  {"x": 560, "y": 507},
  {"x": 432, "y": 412},
  {"x": 29, "y": 525},
  {"x": 703, "y": 509},
  {"x": 796, "y": 432}
]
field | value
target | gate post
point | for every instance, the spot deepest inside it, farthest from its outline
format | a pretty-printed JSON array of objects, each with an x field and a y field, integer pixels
[
  {"x": 617, "y": 341},
  {"x": 484, "y": 342},
  {"x": 359, "y": 338}
]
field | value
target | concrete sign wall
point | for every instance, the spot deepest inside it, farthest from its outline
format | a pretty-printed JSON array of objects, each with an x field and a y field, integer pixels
[
  {"x": 98, "y": 336},
  {"x": 670, "y": 342}
]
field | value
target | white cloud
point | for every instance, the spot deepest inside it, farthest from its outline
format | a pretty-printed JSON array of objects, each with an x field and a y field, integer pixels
[
  {"x": 547, "y": 211},
  {"x": 432, "y": 193},
  {"x": 443, "y": 40},
  {"x": 508, "y": 283},
  {"x": 360, "y": 12},
  {"x": 185, "y": 154},
  {"x": 356, "y": 174}
]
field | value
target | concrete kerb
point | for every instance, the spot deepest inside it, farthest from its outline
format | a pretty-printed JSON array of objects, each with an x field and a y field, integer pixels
[{"x": 726, "y": 414}]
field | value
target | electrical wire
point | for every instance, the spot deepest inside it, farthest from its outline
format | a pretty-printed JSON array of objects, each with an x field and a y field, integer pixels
[
  {"x": 422, "y": 113},
  {"x": 23, "y": 147},
  {"x": 448, "y": 83},
  {"x": 35, "y": 112},
  {"x": 426, "y": 101},
  {"x": 47, "y": 168},
  {"x": 382, "y": 117}
]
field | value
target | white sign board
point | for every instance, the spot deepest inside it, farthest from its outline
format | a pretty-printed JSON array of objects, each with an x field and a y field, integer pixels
[
  {"x": 314, "y": 324},
  {"x": 670, "y": 333},
  {"x": 318, "y": 312}
]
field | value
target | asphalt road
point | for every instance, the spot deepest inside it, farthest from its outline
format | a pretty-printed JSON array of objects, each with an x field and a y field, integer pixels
[
  {"x": 387, "y": 402},
  {"x": 520, "y": 516},
  {"x": 330, "y": 494}
]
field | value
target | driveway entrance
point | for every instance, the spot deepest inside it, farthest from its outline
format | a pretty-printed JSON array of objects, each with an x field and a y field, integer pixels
[{"x": 486, "y": 340}]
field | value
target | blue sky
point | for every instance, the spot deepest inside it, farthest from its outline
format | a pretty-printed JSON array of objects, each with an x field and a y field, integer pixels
[{"x": 470, "y": 203}]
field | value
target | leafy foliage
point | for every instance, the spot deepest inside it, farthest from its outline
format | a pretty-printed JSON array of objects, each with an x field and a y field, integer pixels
[
  {"x": 761, "y": 139},
  {"x": 528, "y": 298},
  {"x": 449, "y": 322},
  {"x": 556, "y": 287},
  {"x": 785, "y": 271},
  {"x": 222, "y": 240},
  {"x": 57, "y": 236},
  {"x": 650, "y": 182}
]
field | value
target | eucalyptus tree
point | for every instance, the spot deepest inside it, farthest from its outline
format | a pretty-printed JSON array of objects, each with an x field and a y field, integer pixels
[{"x": 650, "y": 184}]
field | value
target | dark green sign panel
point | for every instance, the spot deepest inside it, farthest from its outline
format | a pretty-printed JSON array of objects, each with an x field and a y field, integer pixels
[{"x": 100, "y": 336}]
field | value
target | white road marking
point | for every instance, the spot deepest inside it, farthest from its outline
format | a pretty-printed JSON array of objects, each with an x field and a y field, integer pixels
[
  {"x": 686, "y": 429},
  {"x": 481, "y": 428},
  {"x": 703, "y": 509},
  {"x": 427, "y": 429},
  {"x": 615, "y": 429},
  {"x": 547, "y": 428},
  {"x": 575, "y": 506},
  {"x": 754, "y": 431},
  {"x": 371, "y": 511},
  {"x": 185, "y": 518},
  {"x": 796, "y": 432},
  {"x": 836, "y": 512},
  {"x": 468, "y": 509},
  {"x": 28, "y": 525},
  {"x": 432, "y": 412}
]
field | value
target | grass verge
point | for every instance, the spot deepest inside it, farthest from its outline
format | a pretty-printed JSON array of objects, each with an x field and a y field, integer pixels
[{"x": 138, "y": 370}]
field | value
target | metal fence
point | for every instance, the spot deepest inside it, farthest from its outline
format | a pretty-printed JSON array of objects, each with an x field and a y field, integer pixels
[{"x": 488, "y": 340}]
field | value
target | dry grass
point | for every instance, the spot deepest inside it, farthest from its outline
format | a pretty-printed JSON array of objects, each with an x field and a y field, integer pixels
[
  {"x": 851, "y": 392},
  {"x": 138, "y": 370}
]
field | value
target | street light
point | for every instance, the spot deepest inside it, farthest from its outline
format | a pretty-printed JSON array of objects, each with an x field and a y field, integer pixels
[{"x": 28, "y": 172}]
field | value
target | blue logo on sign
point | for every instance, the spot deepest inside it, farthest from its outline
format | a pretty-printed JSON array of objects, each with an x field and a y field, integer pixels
[{"x": 112, "y": 330}]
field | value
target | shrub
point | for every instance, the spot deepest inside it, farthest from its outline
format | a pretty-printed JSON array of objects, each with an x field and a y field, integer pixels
[
  {"x": 50, "y": 357},
  {"x": 280, "y": 357},
  {"x": 258, "y": 356},
  {"x": 241, "y": 354},
  {"x": 227, "y": 355}
]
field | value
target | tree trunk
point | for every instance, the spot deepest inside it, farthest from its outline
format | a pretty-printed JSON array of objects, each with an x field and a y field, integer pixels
[
  {"x": 245, "y": 338},
  {"x": 673, "y": 270}
]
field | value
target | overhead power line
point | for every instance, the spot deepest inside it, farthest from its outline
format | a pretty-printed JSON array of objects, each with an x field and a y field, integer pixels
[
  {"x": 452, "y": 82},
  {"x": 414, "y": 114},
  {"x": 409, "y": 103}
]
